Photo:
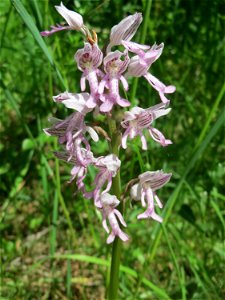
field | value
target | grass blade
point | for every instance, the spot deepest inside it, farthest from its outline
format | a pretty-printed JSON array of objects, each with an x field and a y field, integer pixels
[
  {"x": 33, "y": 29},
  {"x": 209, "y": 118},
  {"x": 102, "y": 262},
  {"x": 54, "y": 225}
]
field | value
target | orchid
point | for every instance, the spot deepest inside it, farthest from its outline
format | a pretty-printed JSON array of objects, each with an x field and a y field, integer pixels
[
  {"x": 81, "y": 161},
  {"x": 74, "y": 101},
  {"x": 106, "y": 73},
  {"x": 140, "y": 64},
  {"x": 114, "y": 68},
  {"x": 160, "y": 87},
  {"x": 149, "y": 182},
  {"x": 109, "y": 212},
  {"x": 108, "y": 167},
  {"x": 73, "y": 19},
  {"x": 138, "y": 119},
  {"x": 71, "y": 131},
  {"x": 88, "y": 60}
]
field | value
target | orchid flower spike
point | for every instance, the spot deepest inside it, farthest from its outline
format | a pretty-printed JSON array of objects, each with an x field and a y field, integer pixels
[
  {"x": 149, "y": 182},
  {"x": 103, "y": 75},
  {"x": 73, "y": 19},
  {"x": 125, "y": 30},
  {"x": 109, "y": 212},
  {"x": 138, "y": 119}
]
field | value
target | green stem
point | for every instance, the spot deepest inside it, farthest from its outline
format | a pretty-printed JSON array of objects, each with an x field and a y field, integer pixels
[{"x": 116, "y": 189}]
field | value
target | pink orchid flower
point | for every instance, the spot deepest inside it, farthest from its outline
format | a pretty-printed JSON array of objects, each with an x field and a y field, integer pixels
[
  {"x": 140, "y": 64},
  {"x": 114, "y": 68},
  {"x": 73, "y": 19},
  {"x": 108, "y": 167},
  {"x": 149, "y": 182},
  {"x": 71, "y": 130},
  {"x": 81, "y": 161},
  {"x": 88, "y": 60},
  {"x": 138, "y": 119},
  {"x": 109, "y": 212}
]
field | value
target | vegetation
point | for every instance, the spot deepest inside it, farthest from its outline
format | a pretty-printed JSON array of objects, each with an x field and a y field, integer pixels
[{"x": 52, "y": 242}]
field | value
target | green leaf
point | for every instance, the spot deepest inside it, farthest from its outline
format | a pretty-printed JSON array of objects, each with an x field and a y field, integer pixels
[{"x": 28, "y": 144}]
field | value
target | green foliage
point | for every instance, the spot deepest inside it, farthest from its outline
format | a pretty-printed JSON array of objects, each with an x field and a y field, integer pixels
[{"x": 52, "y": 243}]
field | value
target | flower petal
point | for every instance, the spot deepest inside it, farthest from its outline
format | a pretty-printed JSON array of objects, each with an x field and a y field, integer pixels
[
  {"x": 74, "y": 20},
  {"x": 159, "y": 137},
  {"x": 155, "y": 180},
  {"x": 92, "y": 133},
  {"x": 125, "y": 30},
  {"x": 106, "y": 106}
]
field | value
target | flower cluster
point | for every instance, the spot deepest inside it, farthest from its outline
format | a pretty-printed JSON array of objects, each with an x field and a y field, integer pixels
[{"x": 103, "y": 74}]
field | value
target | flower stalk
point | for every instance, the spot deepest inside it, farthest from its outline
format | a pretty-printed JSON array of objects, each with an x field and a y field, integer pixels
[{"x": 116, "y": 189}]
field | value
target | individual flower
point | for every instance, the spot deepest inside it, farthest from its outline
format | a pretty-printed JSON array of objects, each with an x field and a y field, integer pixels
[
  {"x": 107, "y": 169},
  {"x": 149, "y": 182},
  {"x": 140, "y": 64},
  {"x": 79, "y": 171},
  {"x": 72, "y": 130},
  {"x": 138, "y": 119},
  {"x": 73, "y": 19},
  {"x": 114, "y": 67},
  {"x": 88, "y": 60},
  {"x": 68, "y": 131},
  {"x": 125, "y": 30},
  {"x": 109, "y": 212}
]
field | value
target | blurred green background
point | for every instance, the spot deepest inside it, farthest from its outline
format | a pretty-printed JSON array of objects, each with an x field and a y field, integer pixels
[{"x": 52, "y": 242}]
